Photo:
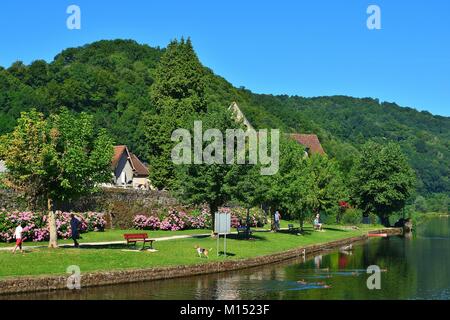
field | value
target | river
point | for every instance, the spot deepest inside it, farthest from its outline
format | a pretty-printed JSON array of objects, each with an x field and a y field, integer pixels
[{"x": 415, "y": 267}]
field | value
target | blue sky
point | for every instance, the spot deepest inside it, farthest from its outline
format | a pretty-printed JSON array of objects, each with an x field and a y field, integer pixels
[{"x": 308, "y": 48}]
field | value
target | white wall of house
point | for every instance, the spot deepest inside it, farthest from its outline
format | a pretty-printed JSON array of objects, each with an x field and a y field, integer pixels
[{"x": 123, "y": 175}]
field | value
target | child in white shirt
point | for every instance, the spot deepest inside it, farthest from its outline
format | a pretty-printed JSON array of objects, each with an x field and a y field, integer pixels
[{"x": 18, "y": 237}]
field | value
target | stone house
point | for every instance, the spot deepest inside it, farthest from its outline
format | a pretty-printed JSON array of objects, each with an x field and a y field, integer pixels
[{"x": 128, "y": 170}]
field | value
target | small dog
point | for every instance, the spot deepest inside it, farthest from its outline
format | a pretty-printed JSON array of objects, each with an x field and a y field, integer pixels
[{"x": 202, "y": 252}]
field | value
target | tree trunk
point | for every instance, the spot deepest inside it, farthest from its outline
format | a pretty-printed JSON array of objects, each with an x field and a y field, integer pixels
[{"x": 53, "y": 243}]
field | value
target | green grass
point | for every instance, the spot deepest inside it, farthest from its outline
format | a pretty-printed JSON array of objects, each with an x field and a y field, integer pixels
[
  {"x": 45, "y": 261},
  {"x": 115, "y": 235}
]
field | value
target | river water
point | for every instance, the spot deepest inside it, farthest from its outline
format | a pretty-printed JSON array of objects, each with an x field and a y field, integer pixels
[{"x": 416, "y": 267}]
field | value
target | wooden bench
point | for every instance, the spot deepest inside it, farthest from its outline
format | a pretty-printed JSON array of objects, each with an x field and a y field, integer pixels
[
  {"x": 134, "y": 238},
  {"x": 243, "y": 230},
  {"x": 293, "y": 229}
]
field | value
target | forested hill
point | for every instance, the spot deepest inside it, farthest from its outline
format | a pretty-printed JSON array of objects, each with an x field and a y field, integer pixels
[{"x": 111, "y": 80}]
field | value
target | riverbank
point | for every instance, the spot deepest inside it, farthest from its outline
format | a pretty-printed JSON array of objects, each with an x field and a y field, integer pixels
[
  {"x": 266, "y": 248},
  {"x": 419, "y": 218}
]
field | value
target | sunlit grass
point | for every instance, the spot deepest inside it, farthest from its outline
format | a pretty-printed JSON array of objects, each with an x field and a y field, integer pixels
[{"x": 45, "y": 261}]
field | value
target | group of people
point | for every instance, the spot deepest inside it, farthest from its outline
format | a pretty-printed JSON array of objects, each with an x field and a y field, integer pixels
[
  {"x": 74, "y": 226},
  {"x": 277, "y": 218}
]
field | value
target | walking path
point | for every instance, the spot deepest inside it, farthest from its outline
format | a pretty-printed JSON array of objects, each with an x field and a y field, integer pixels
[{"x": 107, "y": 243}]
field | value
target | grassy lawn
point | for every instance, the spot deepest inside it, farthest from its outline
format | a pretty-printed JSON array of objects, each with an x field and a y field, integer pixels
[
  {"x": 45, "y": 261},
  {"x": 115, "y": 235}
]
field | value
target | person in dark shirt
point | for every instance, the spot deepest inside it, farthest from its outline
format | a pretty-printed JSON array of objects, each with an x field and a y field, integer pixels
[{"x": 74, "y": 226}]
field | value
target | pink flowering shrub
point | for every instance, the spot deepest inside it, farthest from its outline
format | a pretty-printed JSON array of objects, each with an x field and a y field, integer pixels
[
  {"x": 36, "y": 228},
  {"x": 239, "y": 217},
  {"x": 142, "y": 222},
  {"x": 173, "y": 220}
]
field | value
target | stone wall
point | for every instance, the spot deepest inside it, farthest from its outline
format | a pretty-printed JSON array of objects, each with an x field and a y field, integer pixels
[
  {"x": 121, "y": 205},
  {"x": 10, "y": 200},
  {"x": 34, "y": 284}
]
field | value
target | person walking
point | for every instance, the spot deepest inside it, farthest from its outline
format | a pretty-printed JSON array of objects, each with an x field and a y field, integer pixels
[
  {"x": 74, "y": 226},
  {"x": 277, "y": 218},
  {"x": 18, "y": 236}
]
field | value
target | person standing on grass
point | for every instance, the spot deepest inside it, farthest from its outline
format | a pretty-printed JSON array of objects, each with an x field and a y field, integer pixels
[
  {"x": 74, "y": 226},
  {"x": 18, "y": 237},
  {"x": 277, "y": 218}
]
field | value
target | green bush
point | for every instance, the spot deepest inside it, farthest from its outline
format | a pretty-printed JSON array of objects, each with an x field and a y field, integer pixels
[
  {"x": 352, "y": 216},
  {"x": 373, "y": 218},
  {"x": 2, "y": 183},
  {"x": 326, "y": 218}
]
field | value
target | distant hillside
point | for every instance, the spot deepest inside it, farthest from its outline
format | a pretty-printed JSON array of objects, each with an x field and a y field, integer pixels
[{"x": 111, "y": 80}]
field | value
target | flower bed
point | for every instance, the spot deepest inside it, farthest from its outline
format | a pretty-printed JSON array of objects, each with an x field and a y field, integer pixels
[
  {"x": 36, "y": 228},
  {"x": 175, "y": 220},
  {"x": 239, "y": 217}
]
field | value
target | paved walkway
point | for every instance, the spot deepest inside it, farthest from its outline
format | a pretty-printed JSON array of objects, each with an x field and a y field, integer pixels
[{"x": 107, "y": 243}]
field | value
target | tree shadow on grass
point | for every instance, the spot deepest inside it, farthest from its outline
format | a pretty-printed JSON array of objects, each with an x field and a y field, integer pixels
[
  {"x": 252, "y": 237},
  {"x": 229, "y": 254},
  {"x": 335, "y": 229},
  {"x": 110, "y": 246}
]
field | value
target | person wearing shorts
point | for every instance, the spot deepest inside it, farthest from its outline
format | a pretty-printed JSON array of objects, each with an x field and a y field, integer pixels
[{"x": 18, "y": 237}]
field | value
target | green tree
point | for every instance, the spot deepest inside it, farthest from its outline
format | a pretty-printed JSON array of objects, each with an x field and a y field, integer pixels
[
  {"x": 208, "y": 183},
  {"x": 382, "y": 180},
  {"x": 246, "y": 186},
  {"x": 420, "y": 204},
  {"x": 56, "y": 159},
  {"x": 178, "y": 95},
  {"x": 313, "y": 186}
]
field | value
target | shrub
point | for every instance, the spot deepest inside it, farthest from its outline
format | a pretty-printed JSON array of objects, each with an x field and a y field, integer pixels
[
  {"x": 257, "y": 217},
  {"x": 352, "y": 216},
  {"x": 173, "y": 220},
  {"x": 143, "y": 222},
  {"x": 36, "y": 224},
  {"x": 373, "y": 218}
]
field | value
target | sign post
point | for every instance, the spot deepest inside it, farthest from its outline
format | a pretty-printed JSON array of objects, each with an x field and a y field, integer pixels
[{"x": 222, "y": 225}]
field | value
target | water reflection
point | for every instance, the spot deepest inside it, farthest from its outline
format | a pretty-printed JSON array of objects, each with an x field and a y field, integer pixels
[{"x": 414, "y": 267}]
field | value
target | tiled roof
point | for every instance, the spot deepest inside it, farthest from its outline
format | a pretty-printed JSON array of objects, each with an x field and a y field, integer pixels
[
  {"x": 310, "y": 141},
  {"x": 140, "y": 168},
  {"x": 118, "y": 151}
]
